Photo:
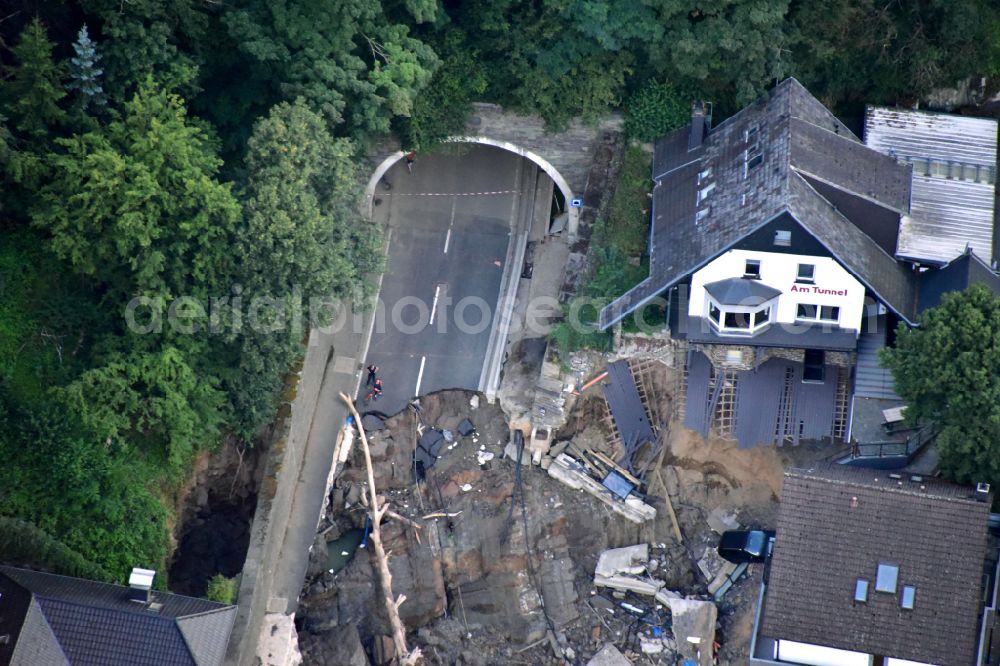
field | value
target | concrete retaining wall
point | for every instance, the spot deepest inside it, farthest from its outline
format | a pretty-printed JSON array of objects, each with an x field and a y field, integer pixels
[{"x": 274, "y": 503}]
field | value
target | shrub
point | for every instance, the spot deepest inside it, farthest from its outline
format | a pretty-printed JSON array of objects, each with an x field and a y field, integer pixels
[
  {"x": 656, "y": 109},
  {"x": 222, "y": 589}
]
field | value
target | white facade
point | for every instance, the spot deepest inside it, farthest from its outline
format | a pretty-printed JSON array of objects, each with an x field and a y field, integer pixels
[
  {"x": 820, "y": 655},
  {"x": 832, "y": 296}
]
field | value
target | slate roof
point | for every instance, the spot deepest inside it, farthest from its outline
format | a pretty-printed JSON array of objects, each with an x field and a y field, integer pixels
[
  {"x": 963, "y": 272},
  {"x": 84, "y": 623},
  {"x": 934, "y": 532},
  {"x": 797, "y": 137},
  {"x": 950, "y": 210},
  {"x": 741, "y": 291}
]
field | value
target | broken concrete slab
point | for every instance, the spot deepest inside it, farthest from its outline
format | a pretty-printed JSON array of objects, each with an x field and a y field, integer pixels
[
  {"x": 694, "y": 629},
  {"x": 609, "y": 655},
  {"x": 628, "y": 560},
  {"x": 570, "y": 472},
  {"x": 622, "y": 569}
]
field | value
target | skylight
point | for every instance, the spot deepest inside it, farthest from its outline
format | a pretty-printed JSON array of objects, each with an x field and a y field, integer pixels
[
  {"x": 909, "y": 596},
  {"x": 861, "y": 590},
  {"x": 885, "y": 581}
]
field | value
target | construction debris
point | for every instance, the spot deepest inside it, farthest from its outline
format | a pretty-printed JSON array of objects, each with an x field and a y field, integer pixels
[
  {"x": 609, "y": 655},
  {"x": 573, "y": 474}
]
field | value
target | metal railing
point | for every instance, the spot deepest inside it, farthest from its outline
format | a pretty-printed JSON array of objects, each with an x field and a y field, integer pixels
[{"x": 894, "y": 449}]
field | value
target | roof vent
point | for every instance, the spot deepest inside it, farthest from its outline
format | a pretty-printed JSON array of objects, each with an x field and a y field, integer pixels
[
  {"x": 854, "y": 502},
  {"x": 140, "y": 585},
  {"x": 895, "y": 476},
  {"x": 4, "y": 639},
  {"x": 916, "y": 478}
]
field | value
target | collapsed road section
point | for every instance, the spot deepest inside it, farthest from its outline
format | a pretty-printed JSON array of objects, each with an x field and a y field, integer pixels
[{"x": 500, "y": 560}]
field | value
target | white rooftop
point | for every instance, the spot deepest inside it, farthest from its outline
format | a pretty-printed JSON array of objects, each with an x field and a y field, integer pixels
[{"x": 954, "y": 162}]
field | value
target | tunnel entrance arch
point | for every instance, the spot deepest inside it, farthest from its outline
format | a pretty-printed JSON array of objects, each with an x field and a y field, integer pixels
[
  {"x": 565, "y": 156},
  {"x": 573, "y": 213}
]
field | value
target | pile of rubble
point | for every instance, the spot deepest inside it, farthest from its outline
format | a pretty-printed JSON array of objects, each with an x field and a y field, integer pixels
[{"x": 502, "y": 564}]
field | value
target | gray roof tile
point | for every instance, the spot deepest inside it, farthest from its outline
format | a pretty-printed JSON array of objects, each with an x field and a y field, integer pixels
[
  {"x": 96, "y": 624},
  {"x": 741, "y": 291},
  {"x": 836, "y": 524}
]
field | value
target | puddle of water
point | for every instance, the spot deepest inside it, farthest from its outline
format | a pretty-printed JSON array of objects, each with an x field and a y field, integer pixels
[{"x": 340, "y": 551}]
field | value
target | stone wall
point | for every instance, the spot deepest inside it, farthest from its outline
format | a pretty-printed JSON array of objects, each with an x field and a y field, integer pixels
[
  {"x": 754, "y": 357},
  {"x": 571, "y": 151}
]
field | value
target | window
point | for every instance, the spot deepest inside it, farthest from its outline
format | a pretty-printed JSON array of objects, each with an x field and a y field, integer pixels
[
  {"x": 750, "y": 134},
  {"x": 737, "y": 320},
  {"x": 829, "y": 313},
  {"x": 705, "y": 191},
  {"x": 783, "y": 238},
  {"x": 752, "y": 269},
  {"x": 702, "y": 214},
  {"x": 805, "y": 311},
  {"x": 713, "y": 312},
  {"x": 806, "y": 273},
  {"x": 908, "y": 597},
  {"x": 861, "y": 590},
  {"x": 761, "y": 317},
  {"x": 885, "y": 580},
  {"x": 704, "y": 175},
  {"x": 754, "y": 161}
]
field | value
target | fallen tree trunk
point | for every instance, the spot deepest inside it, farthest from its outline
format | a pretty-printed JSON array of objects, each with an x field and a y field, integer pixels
[{"x": 403, "y": 655}]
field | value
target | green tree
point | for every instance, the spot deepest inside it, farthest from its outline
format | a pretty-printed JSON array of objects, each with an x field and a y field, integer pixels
[
  {"x": 73, "y": 484},
  {"x": 137, "y": 204},
  {"x": 346, "y": 58},
  {"x": 441, "y": 110},
  {"x": 164, "y": 38},
  {"x": 865, "y": 51},
  {"x": 948, "y": 372},
  {"x": 33, "y": 87},
  {"x": 154, "y": 401},
  {"x": 303, "y": 240},
  {"x": 301, "y": 207},
  {"x": 729, "y": 50},
  {"x": 85, "y": 71}
]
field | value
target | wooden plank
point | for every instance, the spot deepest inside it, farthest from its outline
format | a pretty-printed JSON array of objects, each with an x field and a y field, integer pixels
[
  {"x": 670, "y": 506},
  {"x": 618, "y": 468}
]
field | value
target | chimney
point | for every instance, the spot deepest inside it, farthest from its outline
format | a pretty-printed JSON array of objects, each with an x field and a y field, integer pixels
[
  {"x": 982, "y": 491},
  {"x": 699, "y": 125},
  {"x": 140, "y": 585}
]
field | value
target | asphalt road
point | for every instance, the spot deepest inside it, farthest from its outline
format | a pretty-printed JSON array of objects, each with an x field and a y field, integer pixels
[{"x": 449, "y": 223}]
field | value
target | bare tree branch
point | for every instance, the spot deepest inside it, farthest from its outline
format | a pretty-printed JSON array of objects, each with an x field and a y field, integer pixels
[{"x": 403, "y": 655}]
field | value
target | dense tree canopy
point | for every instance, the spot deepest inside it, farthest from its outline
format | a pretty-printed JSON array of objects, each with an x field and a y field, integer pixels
[
  {"x": 948, "y": 372},
  {"x": 136, "y": 203}
]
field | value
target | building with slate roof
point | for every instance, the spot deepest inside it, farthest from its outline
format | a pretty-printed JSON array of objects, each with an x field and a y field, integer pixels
[
  {"x": 49, "y": 620},
  {"x": 870, "y": 567},
  {"x": 785, "y": 251}
]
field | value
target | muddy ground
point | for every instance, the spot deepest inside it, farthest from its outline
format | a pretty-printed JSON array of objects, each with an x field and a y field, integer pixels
[{"x": 511, "y": 560}]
